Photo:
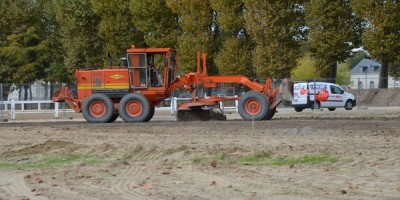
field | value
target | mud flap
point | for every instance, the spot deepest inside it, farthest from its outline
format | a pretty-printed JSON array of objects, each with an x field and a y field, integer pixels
[{"x": 199, "y": 114}]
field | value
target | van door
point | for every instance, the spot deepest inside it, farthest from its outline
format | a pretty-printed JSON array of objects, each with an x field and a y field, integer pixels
[
  {"x": 336, "y": 97},
  {"x": 300, "y": 94}
]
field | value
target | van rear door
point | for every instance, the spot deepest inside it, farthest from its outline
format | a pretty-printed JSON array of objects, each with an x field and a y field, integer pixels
[{"x": 300, "y": 94}]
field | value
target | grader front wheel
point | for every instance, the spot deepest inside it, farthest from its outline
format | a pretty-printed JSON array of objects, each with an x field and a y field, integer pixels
[{"x": 253, "y": 106}]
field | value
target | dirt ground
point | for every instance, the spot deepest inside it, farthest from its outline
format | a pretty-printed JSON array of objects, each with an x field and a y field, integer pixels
[{"x": 308, "y": 155}]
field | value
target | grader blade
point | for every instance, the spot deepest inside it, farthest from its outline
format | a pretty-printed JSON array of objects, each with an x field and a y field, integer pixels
[{"x": 199, "y": 114}]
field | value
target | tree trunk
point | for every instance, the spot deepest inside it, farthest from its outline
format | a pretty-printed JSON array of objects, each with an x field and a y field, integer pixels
[
  {"x": 332, "y": 73},
  {"x": 383, "y": 76}
]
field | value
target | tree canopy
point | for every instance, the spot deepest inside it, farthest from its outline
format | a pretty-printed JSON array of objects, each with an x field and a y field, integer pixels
[
  {"x": 381, "y": 37},
  {"x": 48, "y": 40},
  {"x": 333, "y": 33}
]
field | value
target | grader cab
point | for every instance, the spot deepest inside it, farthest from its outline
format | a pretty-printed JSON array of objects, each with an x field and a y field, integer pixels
[{"x": 131, "y": 91}]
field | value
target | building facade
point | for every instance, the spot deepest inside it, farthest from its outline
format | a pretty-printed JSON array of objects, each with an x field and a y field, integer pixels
[{"x": 365, "y": 75}]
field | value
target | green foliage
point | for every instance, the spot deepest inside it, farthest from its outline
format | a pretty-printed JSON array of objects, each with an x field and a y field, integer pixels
[
  {"x": 394, "y": 69},
  {"x": 333, "y": 33},
  {"x": 234, "y": 58},
  {"x": 196, "y": 20},
  {"x": 23, "y": 47},
  {"x": 305, "y": 70},
  {"x": 381, "y": 36},
  {"x": 307, "y": 159},
  {"x": 234, "y": 55},
  {"x": 116, "y": 27},
  {"x": 80, "y": 37},
  {"x": 343, "y": 74},
  {"x": 276, "y": 28},
  {"x": 50, "y": 161},
  {"x": 264, "y": 159},
  {"x": 56, "y": 71},
  {"x": 157, "y": 20}
]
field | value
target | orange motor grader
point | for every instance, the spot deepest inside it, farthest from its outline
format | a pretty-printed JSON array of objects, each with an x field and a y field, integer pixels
[{"x": 132, "y": 90}]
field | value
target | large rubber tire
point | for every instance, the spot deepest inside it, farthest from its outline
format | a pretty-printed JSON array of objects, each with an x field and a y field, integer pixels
[
  {"x": 270, "y": 114},
  {"x": 297, "y": 109},
  {"x": 151, "y": 114},
  {"x": 134, "y": 107},
  {"x": 253, "y": 106},
  {"x": 98, "y": 108},
  {"x": 331, "y": 109},
  {"x": 349, "y": 105}
]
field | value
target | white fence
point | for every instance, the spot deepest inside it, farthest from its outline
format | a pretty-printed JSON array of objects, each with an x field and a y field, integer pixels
[{"x": 12, "y": 108}]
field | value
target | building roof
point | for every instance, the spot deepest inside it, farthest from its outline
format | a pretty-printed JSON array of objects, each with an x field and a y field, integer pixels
[{"x": 366, "y": 66}]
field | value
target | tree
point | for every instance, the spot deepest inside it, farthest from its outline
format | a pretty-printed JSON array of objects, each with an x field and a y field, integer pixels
[
  {"x": 23, "y": 47},
  {"x": 276, "y": 27},
  {"x": 381, "y": 37},
  {"x": 56, "y": 71},
  {"x": 234, "y": 55},
  {"x": 394, "y": 70},
  {"x": 343, "y": 74},
  {"x": 305, "y": 70},
  {"x": 333, "y": 33},
  {"x": 196, "y": 22},
  {"x": 157, "y": 21},
  {"x": 116, "y": 27},
  {"x": 80, "y": 38}
]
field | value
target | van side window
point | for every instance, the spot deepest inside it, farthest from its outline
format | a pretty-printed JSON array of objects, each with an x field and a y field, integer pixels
[{"x": 336, "y": 90}]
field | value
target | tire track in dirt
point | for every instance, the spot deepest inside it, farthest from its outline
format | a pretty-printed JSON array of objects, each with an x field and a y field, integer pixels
[
  {"x": 14, "y": 186},
  {"x": 136, "y": 181}
]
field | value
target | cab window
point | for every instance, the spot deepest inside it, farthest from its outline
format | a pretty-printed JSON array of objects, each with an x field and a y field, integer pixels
[{"x": 336, "y": 90}]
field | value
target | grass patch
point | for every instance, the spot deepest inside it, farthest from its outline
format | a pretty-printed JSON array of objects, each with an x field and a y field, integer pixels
[
  {"x": 307, "y": 159},
  {"x": 50, "y": 161},
  {"x": 264, "y": 159},
  {"x": 221, "y": 158}
]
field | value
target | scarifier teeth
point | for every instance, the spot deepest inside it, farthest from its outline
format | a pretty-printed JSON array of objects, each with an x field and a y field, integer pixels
[{"x": 199, "y": 115}]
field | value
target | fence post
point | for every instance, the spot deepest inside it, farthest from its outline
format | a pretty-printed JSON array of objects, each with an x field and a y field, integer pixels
[
  {"x": 13, "y": 109},
  {"x": 56, "y": 104},
  {"x": 236, "y": 104},
  {"x": 221, "y": 105},
  {"x": 173, "y": 109}
]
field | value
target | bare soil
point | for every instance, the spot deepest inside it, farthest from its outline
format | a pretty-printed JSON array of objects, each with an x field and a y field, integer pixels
[{"x": 166, "y": 159}]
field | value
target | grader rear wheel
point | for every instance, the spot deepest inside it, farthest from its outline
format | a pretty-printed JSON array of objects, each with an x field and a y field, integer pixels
[
  {"x": 97, "y": 108},
  {"x": 134, "y": 108},
  {"x": 151, "y": 114}
]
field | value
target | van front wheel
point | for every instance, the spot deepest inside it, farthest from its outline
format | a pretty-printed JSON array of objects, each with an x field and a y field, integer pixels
[
  {"x": 348, "y": 105},
  {"x": 297, "y": 109}
]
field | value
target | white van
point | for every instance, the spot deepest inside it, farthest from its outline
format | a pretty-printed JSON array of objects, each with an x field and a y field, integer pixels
[{"x": 329, "y": 96}]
